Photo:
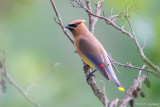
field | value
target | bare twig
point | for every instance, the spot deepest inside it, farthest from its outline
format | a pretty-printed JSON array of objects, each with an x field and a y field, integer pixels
[
  {"x": 11, "y": 81},
  {"x": 89, "y": 15},
  {"x": 113, "y": 18},
  {"x": 128, "y": 65},
  {"x": 104, "y": 92},
  {"x": 140, "y": 71},
  {"x": 134, "y": 67},
  {"x": 74, "y": 5},
  {"x": 41, "y": 78},
  {"x": 92, "y": 19},
  {"x": 114, "y": 103},
  {"x": 97, "y": 12},
  {"x": 128, "y": 95},
  {"x": 4, "y": 61},
  {"x": 127, "y": 17},
  {"x": 144, "y": 43},
  {"x": 61, "y": 23}
]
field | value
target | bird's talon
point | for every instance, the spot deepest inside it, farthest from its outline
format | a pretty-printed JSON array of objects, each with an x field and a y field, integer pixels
[
  {"x": 90, "y": 74},
  {"x": 85, "y": 67}
]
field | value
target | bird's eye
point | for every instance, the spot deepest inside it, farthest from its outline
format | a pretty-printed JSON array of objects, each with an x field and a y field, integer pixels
[{"x": 76, "y": 24}]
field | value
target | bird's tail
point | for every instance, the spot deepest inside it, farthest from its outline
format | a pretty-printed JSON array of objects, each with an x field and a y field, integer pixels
[{"x": 111, "y": 73}]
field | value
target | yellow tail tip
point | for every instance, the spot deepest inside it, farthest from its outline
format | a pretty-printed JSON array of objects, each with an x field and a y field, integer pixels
[{"x": 121, "y": 88}]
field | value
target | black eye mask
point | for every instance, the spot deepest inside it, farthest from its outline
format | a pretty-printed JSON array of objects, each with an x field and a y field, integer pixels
[{"x": 72, "y": 26}]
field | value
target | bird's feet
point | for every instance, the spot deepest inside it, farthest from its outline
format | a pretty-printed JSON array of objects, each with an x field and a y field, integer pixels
[{"x": 90, "y": 74}]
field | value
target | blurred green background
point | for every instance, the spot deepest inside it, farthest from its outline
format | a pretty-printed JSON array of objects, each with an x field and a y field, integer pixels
[{"x": 33, "y": 41}]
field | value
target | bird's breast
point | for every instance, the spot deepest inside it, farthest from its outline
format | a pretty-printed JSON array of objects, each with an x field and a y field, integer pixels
[{"x": 80, "y": 53}]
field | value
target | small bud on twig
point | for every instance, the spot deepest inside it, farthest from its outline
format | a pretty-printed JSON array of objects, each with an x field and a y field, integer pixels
[
  {"x": 147, "y": 82},
  {"x": 138, "y": 89},
  {"x": 142, "y": 94},
  {"x": 131, "y": 102},
  {"x": 135, "y": 94}
]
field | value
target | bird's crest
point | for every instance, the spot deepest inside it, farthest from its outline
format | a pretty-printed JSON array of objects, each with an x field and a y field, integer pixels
[{"x": 78, "y": 21}]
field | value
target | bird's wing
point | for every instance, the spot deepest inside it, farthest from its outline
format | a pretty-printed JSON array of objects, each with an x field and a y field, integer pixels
[{"x": 92, "y": 51}]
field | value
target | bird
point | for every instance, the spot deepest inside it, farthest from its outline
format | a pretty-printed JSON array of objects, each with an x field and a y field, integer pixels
[{"x": 91, "y": 51}]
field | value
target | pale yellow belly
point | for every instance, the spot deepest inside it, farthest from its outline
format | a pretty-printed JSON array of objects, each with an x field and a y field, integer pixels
[{"x": 85, "y": 59}]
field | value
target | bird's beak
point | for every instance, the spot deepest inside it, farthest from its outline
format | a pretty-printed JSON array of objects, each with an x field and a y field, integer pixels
[{"x": 68, "y": 27}]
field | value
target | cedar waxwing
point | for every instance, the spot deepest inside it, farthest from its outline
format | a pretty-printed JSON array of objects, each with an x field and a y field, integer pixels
[{"x": 91, "y": 51}]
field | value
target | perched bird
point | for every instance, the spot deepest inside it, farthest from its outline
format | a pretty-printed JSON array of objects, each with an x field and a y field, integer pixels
[{"x": 91, "y": 51}]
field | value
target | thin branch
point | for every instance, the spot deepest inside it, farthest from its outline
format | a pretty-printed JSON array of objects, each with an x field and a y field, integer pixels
[
  {"x": 56, "y": 21},
  {"x": 4, "y": 61},
  {"x": 104, "y": 92},
  {"x": 89, "y": 15},
  {"x": 74, "y": 5},
  {"x": 61, "y": 23},
  {"x": 41, "y": 78},
  {"x": 144, "y": 43},
  {"x": 140, "y": 71},
  {"x": 11, "y": 81},
  {"x": 92, "y": 19},
  {"x": 131, "y": 66},
  {"x": 128, "y": 65},
  {"x": 113, "y": 18},
  {"x": 127, "y": 17},
  {"x": 88, "y": 5},
  {"x": 114, "y": 103}
]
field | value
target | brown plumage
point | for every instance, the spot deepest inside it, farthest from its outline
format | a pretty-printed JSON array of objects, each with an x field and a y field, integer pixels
[{"x": 91, "y": 51}]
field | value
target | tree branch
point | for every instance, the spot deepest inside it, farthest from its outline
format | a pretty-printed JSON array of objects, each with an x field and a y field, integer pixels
[
  {"x": 132, "y": 36},
  {"x": 11, "y": 81},
  {"x": 91, "y": 82},
  {"x": 41, "y": 77},
  {"x": 61, "y": 23},
  {"x": 134, "y": 67},
  {"x": 90, "y": 16},
  {"x": 7, "y": 77},
  {"x": 128, "y": 95}
]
